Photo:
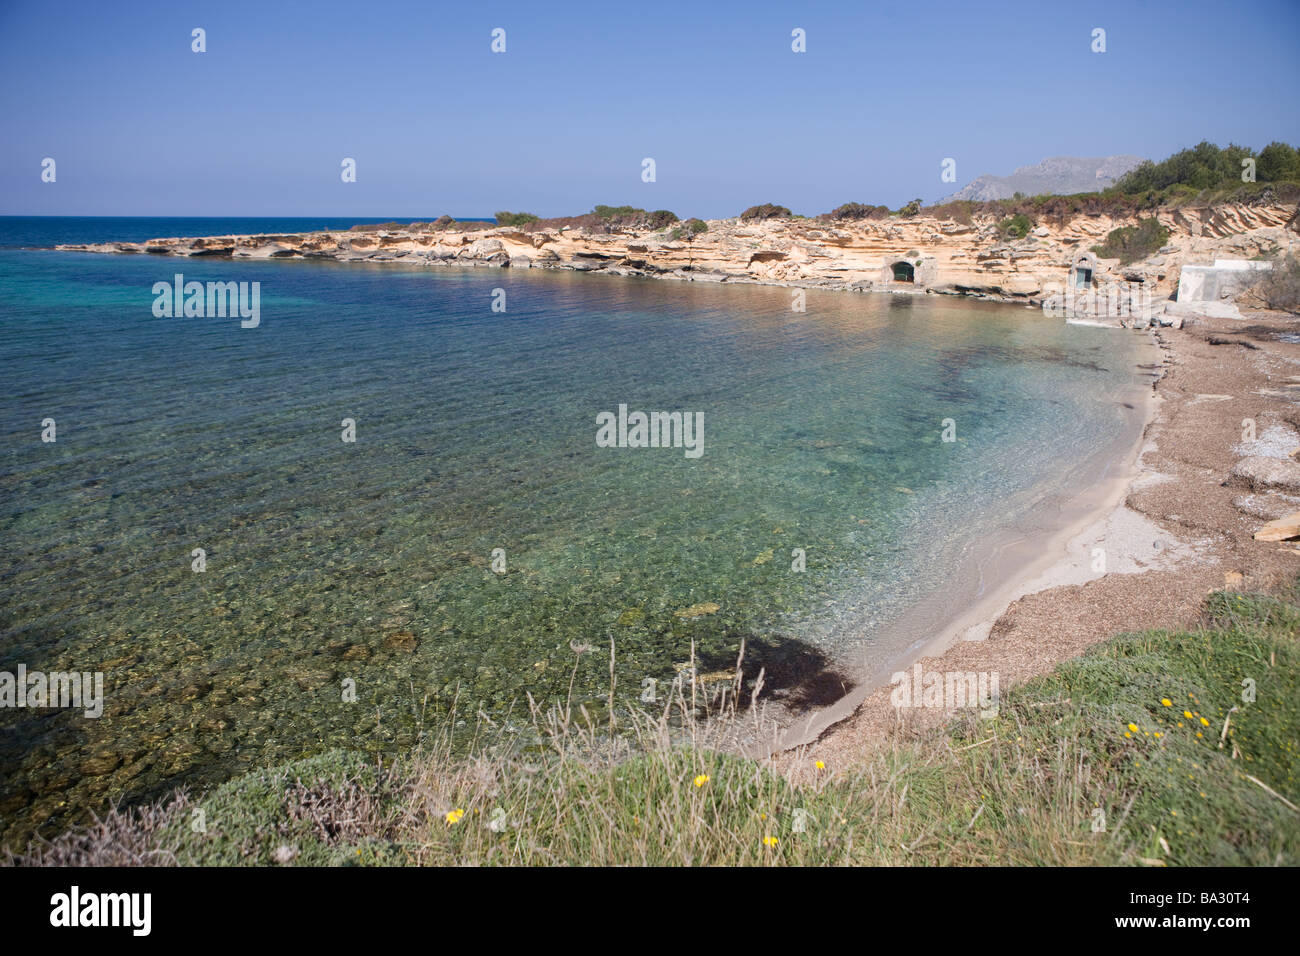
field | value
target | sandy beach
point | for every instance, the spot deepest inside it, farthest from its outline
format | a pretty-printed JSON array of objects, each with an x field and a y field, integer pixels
[{"x": 1174, "y": 521}]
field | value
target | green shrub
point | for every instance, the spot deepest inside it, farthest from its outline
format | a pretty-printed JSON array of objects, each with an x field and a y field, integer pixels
[
  {"x": 689, "y": 230},
  {"x": 619, "y": 213},
  {"x": 1015, "y": 227},
  {"x": 959, "y": 211},
  {"x": 765, "y": 211},
  {"x": 911, "y": 209},
  {"x": 515, "y": 218},
  {"x": 857, "y": 210},
  {"x": 1207, "y": 166},
  {"x": 1278, "y": 162},
  {"x": 660, "y": 219},
  {"x": 1132, "y": 243},
  {"x": 633, "y": 217}
]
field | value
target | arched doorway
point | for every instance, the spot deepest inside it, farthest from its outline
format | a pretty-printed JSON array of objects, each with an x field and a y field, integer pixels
[
  {"x": 904, "y": 272},
  {"x": 1082, "y": 271}
]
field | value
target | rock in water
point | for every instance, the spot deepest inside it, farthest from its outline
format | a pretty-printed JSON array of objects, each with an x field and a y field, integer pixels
[{"x": 698, "y": 610}]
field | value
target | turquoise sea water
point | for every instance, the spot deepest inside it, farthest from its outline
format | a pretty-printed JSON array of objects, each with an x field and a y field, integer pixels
[
  {"x": 475, "y": 430},
  {"x": 19, "y": 232}
]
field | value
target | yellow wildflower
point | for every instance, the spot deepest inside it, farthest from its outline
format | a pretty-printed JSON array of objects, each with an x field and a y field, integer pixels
[{"x": 701, "y": 780}]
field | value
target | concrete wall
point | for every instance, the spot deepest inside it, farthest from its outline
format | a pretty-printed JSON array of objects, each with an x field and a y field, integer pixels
[{"x": 1212, "y": 289}]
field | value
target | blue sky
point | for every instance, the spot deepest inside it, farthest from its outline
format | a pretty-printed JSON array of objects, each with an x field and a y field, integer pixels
[{"x": 258, "y": 125}]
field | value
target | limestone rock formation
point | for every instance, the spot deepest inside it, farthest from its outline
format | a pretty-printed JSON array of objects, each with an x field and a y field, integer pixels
[{"x": 896, "y": 254}]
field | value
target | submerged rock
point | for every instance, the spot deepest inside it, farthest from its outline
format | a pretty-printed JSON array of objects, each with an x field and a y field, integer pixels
[
  {"x": 633, "y": 615},
  {"x": 403, "y": 642},
  {"x": 101, "y": 763},
  {"x": 698, "y": 610}
]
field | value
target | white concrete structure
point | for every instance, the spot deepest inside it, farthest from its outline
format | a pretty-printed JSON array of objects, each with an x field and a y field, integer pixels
[{"x": 1211, "y": 290}]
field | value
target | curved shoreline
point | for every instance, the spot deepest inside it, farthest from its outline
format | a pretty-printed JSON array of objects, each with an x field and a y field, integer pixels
[
  {"x": 1182, "y": 523},
  {"x": 1017, "y": 564},
  {"x": 1013, "y": 560}
]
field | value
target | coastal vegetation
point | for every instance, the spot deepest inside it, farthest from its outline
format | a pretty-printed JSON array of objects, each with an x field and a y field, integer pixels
[
  {"x": 1015, "y": 227},
  {"x": 689, "y": 229},
  {"x": 855, "y": 211},
  {"x": 601, "y": 219},
  {"x": 380, "y": 226},
  {"x": 765, "y": 210},
  {"x": 632, "y": 217},
  {"x": 1207, "y": 166},
  {"x": 1132, "y": 243},
  {"x": 1201, "y": 175},
  {"x": 1153, "y": 749},
  {"x": 515, "y": 218},
  {"x": 661, "y": 219}
]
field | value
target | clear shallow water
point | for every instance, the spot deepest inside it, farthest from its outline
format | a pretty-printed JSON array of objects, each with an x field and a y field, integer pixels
[{"x": 329, "y": 561}]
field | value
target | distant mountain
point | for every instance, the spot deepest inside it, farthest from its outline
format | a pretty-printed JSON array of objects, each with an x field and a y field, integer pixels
[{"x": 1057, "y": 175}]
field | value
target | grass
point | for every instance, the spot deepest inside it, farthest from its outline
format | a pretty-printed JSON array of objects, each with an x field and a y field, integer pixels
[{"x": 1158, "y": 748}]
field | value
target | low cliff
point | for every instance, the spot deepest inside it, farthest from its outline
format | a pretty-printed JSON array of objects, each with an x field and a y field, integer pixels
[{"x": 919, "y": 253}]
